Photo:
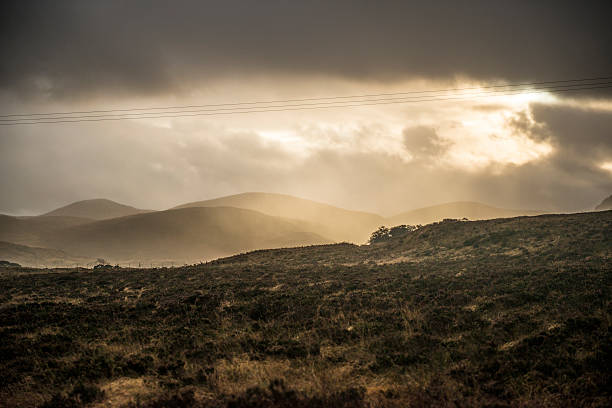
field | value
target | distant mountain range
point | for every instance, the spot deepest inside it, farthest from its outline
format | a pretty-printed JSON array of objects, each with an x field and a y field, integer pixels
[
  {"x": 178, "y": 235},
  {"x": 182, "y": 235},
  {"x": 203, "y": 230}
]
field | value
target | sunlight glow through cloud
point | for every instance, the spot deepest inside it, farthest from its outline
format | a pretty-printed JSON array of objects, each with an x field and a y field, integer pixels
[
  {"x": 607, "y": 166},
  {"x": 476, "y": 137}
]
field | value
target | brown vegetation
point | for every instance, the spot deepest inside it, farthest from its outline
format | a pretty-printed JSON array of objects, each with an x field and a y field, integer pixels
[{"x": 510, "y": 312}]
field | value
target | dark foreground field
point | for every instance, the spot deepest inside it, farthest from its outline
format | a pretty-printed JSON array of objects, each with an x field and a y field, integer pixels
[{"x": 513, "y": 312}]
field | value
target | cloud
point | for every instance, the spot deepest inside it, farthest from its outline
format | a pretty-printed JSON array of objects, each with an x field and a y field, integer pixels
[
  {"x": 152, "y": 167},
  {"x": 489, "y": 107},
  {"x": 159, "y": 167},
  {"x": 584, "y": 134},
  {"x": 581, "y": 138},
  {"x": 582, "y": 142},
  {"x": 70, "y": 49},
  {"x": 423, "y": 142}
]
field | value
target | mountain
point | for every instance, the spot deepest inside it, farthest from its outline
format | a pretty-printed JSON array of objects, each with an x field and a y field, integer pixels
[
  {"x": 332, "y": 222},
  {"x": 181, "y": 235},
  {"x": 605, "y": 204},
  {"x": 32, "y": 231},
  {"x": 96, "y": 209},
  {"x": 39, "y": 257},
  {"x": 459, "y": 209}
]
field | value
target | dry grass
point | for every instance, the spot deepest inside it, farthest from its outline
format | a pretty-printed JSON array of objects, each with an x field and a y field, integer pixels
[
  {"x": 124, "y": 390},
  {"x": 460, "y": 324}
]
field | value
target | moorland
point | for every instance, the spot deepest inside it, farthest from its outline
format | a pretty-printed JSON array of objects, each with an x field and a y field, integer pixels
[{"x": 510, "y": 312}]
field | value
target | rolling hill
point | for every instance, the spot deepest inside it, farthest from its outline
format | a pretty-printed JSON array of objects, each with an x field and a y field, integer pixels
[
  {"x": 332, "y": 222},
  {"x": 605, "y": 204},
  {"x": 39, "y": 257},
  {"x": 458, "y": 210},
  {"x": 96, "y": 209},
  {"x": 180, "y": 235},
  {"x": 33, "y": 231}
]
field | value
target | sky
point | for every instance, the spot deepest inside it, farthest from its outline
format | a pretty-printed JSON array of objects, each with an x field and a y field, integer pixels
[{"x": 539, "y": 151}]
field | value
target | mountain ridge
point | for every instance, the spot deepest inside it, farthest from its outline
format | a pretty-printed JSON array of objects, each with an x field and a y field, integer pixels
[
  {"x": 333, "y": 222},
  {"x": 96, "y": 209}
]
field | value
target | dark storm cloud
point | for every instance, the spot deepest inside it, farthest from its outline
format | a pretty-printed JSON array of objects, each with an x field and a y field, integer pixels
[
  {"x": 585, "y": 134},
  {"x": 581, "y": 138},
  {"x": 572, "y": 173},
  {"x": 72, "y": 48}
]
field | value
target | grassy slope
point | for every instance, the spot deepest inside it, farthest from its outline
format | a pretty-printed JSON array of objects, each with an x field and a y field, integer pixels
[{"x": 513, "y": 312}]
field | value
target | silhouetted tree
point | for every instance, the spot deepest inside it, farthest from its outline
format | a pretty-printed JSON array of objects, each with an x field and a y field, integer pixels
[
  {"x": 384, "y": 234},
  {"x": 380, "y": 235},
  {"x": 401, "y": 230}
]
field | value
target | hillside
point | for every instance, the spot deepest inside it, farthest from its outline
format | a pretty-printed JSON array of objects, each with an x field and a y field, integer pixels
[
  {"x": 332, "y": 222},
  {"x": 507, "y": 312},
  {"x": 33, "y": 231},
  {"x": 547, "y": 236},
  {"x": 182, "y": 235},
  {"x": 96, "y": 209},
  {"x": 605, "y": 204},
  {"x": 39, "y": 257},
  {"x": 458, "y": 210}
]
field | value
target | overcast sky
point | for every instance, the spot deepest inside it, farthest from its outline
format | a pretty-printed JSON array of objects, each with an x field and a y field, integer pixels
[{"x": 548, "y": 151}]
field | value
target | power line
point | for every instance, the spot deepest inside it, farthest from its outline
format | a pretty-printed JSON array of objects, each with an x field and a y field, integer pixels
[
  {"x": 239, "y": 109},
  {"x": 281, "y": 108},
  {"x": 284, "y": 108},
  {"x": 312, "y": 99}
]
